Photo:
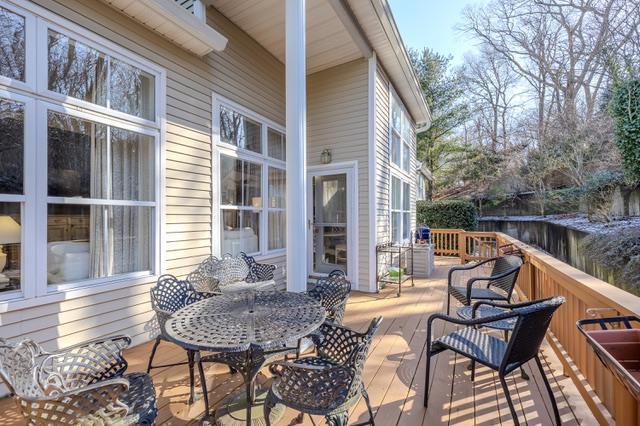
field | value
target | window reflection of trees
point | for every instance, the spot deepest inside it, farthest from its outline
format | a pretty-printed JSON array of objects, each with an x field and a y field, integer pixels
[
  {"x": 12, "y": 45},
  {"x": 11, "y": 147},
  {"x": 82, "y": 72}
]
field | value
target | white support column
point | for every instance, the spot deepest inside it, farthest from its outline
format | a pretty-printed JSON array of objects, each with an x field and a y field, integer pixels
[{"x": 296, "y": 99}]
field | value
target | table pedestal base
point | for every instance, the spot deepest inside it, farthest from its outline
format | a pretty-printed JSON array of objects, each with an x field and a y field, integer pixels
[{"x": 233, "y": 411}]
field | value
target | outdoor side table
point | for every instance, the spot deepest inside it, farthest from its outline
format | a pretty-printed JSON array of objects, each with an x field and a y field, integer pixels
[{"x": 244, "y": 329}]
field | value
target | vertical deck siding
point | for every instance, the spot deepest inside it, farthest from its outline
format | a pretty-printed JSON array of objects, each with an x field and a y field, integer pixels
[
  {"x": 337, "y": 114},
  {"x": 188, "y": 175}
]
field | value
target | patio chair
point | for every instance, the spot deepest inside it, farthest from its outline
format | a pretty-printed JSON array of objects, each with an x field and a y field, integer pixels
[
  {"x": 82, "y": 384},
  {"x": 328, "y": 384},
  {"x": 231, "y": 274},
  {"x": 168, "y": 296},
  {"x": 332, "y": 292},
  {"x": 499, "y": 283},
  {"x": 532, "y": 321}
]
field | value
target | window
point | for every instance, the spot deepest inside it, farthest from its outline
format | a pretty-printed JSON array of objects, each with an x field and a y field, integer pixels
[
  {"x": 90, "y": 206},
  {"x": 400, "y": 210},
  {"x": 252, "y": 182},
  {"x": 400, "y": 136}
]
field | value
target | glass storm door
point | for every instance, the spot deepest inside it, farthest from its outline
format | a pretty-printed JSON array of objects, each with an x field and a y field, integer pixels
[{"x": 329, "y": 223}]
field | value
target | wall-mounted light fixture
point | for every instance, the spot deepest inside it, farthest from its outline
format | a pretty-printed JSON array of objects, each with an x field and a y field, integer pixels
[{"x": 325, "y": 157}]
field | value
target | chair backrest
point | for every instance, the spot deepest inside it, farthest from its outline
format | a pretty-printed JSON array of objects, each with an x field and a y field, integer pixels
[
  {"x": 337, "y": 273},
  {"x": 169, "y": 294},
  {"x": 19, "y": 365},
  {"x": 529, "y": 331},
  {"x": 332, "y": 292},
  {"x": 219, "y": 272},
  {"x": 202, "y": 278},
  {"x": 342, "y": 345},
  {"x": 502, "y": 265}
]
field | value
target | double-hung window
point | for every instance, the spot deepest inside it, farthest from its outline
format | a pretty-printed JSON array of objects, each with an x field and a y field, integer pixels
[
  {"x": 252, "y": 181},
  {"x": 80, "y": 149}
]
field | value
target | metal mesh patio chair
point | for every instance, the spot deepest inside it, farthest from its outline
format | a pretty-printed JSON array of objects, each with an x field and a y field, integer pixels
[
  {"x": 168, "y": 296},
  {"x": 83, "y": 384},
  {"x": 330, "y": 383},
  {"x": 532, "y": 321},
  {"x": 231, "y": 274},
  {"x": 500, "y": 281},
  {"x": 332, "y": 292}
]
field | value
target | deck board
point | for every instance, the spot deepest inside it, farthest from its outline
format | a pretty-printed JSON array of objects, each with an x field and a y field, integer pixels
[{"x": 394, "y": 373}]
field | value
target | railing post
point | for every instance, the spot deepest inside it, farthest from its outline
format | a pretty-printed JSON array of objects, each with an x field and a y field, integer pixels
[{"x": 462, "y": 246}]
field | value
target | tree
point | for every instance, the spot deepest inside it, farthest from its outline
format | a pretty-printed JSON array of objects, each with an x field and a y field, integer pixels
[
  {"x": 625, "y": 109},
  {"x": 443, "y": 90}
]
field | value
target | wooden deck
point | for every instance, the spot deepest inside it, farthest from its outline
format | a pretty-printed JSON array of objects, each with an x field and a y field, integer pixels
[{"x": 394, "y": 373}]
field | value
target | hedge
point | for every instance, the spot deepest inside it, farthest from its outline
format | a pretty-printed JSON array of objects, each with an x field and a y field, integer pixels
[{"x": 451, "y": 214}]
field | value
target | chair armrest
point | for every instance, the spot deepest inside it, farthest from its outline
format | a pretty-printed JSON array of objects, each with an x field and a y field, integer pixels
[
  {"x": 318, "y": 386},
  {"x": 86, "y": 363},
  {"x": 98, "y": 400}
]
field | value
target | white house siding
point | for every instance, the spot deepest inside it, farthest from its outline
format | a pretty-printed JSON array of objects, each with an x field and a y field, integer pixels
[
  {"x": 244, "y": 73},
  {"x": 337, "y": 118}
]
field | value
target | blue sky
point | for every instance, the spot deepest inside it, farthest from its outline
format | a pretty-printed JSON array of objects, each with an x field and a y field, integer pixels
[{"x": 430, "y": 23}]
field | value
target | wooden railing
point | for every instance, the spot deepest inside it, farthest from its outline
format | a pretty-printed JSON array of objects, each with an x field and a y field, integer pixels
[{"x": 543, "y": 276}]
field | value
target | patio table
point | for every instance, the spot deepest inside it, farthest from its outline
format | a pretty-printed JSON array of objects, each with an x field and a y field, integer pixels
[{"x": 243, "y": 330}]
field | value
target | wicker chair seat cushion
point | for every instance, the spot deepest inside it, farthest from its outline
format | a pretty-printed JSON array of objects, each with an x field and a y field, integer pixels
[
  {"x": 141, "y": 400},
  {"x": 460, "y": 293},
  {"x": 486, "y": 349},
  {"x": 238, "y": 286},
  {"x": 466, "y": 313}
]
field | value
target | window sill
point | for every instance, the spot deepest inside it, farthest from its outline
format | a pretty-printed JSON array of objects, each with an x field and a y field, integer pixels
[{"x": 64, "y": 292}]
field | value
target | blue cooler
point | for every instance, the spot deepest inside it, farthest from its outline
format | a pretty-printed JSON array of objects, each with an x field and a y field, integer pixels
[{"x": 423, "y": 234}]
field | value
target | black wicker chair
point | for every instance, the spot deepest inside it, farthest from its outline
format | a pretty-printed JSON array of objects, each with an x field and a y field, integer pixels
[
  {"x": 500, "y": 282},
  {"x": 532, "y": 321},
  {"x": 328, "y": 384},
  {"x": 168, "y": 296},
  {"x": 83, "y": 384},
  {"x": 332, "y": 292},
  {"x": 230, "y": 274}
]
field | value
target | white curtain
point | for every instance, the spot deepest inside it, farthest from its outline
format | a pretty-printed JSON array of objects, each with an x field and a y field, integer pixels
[{"x": 99, "y": 177}]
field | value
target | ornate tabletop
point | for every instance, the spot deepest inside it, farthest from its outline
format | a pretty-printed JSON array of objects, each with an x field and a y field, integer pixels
[{"x": 248, "y": 320}]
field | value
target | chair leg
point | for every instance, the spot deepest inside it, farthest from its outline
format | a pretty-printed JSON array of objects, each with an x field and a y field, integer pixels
[
  {"x": 505, "y": 388},
  {"x": 473, "y": 371},
  {"x": 426, "y": 380},
  {"x": 268, "y": 406},
  {"x": 365, "y": 395},
  {"x": 448, "y": 302},
  {"x": 192, "y": 385},
  {"x": 556, "y": 413},
  {"x": 153, "y": 354}
]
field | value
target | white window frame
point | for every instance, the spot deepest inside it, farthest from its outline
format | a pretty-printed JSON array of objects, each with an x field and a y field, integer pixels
[
  {"x": 38, "y": 100},
  {"x": 223, "y": 148}
]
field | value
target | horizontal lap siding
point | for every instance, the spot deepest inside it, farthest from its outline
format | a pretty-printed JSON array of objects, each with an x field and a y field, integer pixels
[
  {"x": 337, "y": 114},
  {"x": 382, "y": 157},
  {"x": 244, "y": 73}
]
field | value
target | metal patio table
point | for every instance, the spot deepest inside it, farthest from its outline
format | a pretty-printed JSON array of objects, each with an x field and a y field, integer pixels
[{"x": 244, "y": 330}]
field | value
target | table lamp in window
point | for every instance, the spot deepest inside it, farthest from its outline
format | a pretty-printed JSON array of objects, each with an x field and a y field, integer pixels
[{"x": 9, "y": 234}]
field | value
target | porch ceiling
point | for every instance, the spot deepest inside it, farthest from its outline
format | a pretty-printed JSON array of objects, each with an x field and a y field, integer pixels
[{"x": 329, "y": 43}]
